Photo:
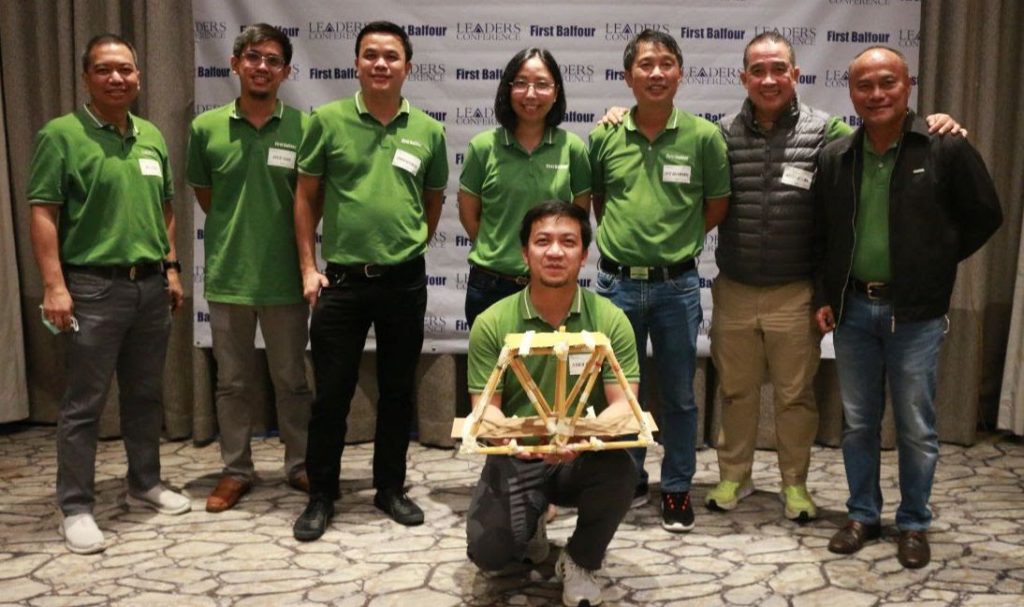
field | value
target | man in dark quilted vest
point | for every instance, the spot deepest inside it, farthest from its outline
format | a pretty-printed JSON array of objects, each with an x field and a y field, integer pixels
[{"x": 763, "y": 316}]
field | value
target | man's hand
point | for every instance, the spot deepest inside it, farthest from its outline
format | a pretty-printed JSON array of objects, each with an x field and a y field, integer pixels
[
  {"x": 174, "y": 289},
  {"x": 58, "y": 307},
  {"x": 826, "y": 321},
  {"x": 942, "y": 124},
  {"x": 614, "y": 115},
  {"x": 312, "y": 282}
]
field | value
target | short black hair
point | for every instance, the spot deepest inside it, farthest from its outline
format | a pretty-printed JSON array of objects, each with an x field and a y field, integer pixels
[
  {"x": 100, "y": 40},
  {"x": 502, "y": 100},
  {"x": 555, "y": 208},
  {"x": 652, "y": 37},
  {"x": 386, "y": 27},
  {"x": 258, "y": 33},
  {"x": 770, "y": 36}
]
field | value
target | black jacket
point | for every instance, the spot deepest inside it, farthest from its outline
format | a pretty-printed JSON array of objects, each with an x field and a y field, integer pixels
[{"x": 942, "y": 208}]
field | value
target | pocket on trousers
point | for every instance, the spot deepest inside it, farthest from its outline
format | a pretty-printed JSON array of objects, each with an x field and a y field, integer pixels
[
  {"x": 605, "y": 282},
  {"x": 88, "y": 287}
]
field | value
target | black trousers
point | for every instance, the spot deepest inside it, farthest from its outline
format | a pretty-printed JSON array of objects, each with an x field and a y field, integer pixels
[
  {"x": 394, "y": 304},
  {"x": 513, "y": 494}
]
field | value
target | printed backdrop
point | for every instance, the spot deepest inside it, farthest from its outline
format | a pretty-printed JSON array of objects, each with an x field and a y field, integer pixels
[{"x": 460, "y": 49}]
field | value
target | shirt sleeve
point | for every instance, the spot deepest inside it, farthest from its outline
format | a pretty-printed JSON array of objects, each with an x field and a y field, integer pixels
[
  {"x": 312, "y": 158},
  {"x": 47, "y": 169},
  {"x": 579, "y": 167},
  {"x": 472, "y": 178},
  {"x": 484, "y": 348},
  {"x": 836, "y": 128},
  {"x": 717, "y": 182},
  {"x": 596, "y": 168},
  {"x": 974, "y": 197},
  {"x": 197, "y": 166},
  {"x": 165, "y": 158},
  {"x": 436, "y": 176}
]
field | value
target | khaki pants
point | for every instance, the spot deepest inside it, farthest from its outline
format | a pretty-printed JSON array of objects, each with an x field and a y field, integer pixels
[{"x": 755, "y": 328}]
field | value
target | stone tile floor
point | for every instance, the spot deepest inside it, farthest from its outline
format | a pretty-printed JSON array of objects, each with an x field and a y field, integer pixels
[{"x": 247, "y": 556}]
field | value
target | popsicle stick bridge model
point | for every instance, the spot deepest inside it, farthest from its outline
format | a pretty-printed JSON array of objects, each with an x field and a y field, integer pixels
[{"x": 554, "y": 424}]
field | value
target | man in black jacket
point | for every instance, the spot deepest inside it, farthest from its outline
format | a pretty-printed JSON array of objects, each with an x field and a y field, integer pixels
[{"x": 899, "y": 210}]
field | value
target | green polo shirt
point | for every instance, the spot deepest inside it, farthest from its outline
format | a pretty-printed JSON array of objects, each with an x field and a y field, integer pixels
[
  {"x": 249, "y": 236},
  {"x": 654, "y": 192},
  {"x": 374, "y": 176},
  {"x": 516, "y": 314},
  {"x": 509, "y": 181},
  {"x": 871, "y": 253},
  {"x": 111, "y": 188}
]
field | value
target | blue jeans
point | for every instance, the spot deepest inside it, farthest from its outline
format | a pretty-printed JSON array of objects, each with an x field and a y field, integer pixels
[
  {"x": 869, "y": 352},
  {"x": 670, "y": 313},
  {"x": 484, "y": 290}
]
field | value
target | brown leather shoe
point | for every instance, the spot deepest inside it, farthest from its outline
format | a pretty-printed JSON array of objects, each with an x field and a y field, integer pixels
[
  {"x": 226, "y": 494},
  {"x": 852, "y": 537},
  {"x": 299, "y": 480},
  {"x": 913, "y": 551}
]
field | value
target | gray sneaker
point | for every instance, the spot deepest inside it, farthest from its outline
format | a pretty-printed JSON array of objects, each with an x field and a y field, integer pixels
[{"x": 579, "y": 586}]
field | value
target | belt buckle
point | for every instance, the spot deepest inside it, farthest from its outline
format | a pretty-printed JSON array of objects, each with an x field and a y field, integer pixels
[
  {"x": 131, "y": 272},
  {"x": 870, "y": 287},
  {"x": 366, "y": 271},
  {"x": 639, "y": 273}
]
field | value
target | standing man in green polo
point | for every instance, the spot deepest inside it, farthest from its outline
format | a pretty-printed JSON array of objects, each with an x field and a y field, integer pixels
[
  {"x": 102, "y": 230},
  {"x": 383, "y": 167},
  {"x": 241, "y": 163},
  {"x": 660, "y": 182}
]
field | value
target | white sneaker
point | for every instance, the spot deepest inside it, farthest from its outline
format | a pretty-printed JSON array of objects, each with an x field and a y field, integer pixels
[
  {"x": 81, "y": 535},
  {"x": 537, "y": 548},
  {"x": 161, "y": 499},
  {"x": 579, "y": 586}
]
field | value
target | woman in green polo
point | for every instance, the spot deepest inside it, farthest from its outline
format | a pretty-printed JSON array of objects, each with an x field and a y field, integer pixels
[{"x": 509, "y": 169}]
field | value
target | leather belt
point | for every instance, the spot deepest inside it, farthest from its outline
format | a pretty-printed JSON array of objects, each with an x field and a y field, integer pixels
[
  {"x": 519, "y": 279},
  {"x": 649, "y": 273},
  {"x": 873, "y": 289},
  {"x": 370, "y": 270},
  {"x": 135, "y": 271}
]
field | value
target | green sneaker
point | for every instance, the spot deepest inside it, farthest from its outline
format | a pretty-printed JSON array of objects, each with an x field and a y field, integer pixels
[
  {"x": 727, "y": 494},
  {"x": 799, "y": 505}
]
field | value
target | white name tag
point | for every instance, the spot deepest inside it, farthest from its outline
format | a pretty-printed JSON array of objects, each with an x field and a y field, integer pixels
[
  {"x": 675, "y": 173},
  {"x": 577, "y": 362},
  {"x": 277, "y": 157},
  {"x": 150, "y": 167},
  {"x": 406, "y": 161},
  {"x": 797, "y": 177}
]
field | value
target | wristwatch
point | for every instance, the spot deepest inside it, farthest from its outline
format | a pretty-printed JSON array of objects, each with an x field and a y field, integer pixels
[{"x": 172, "y": 264}]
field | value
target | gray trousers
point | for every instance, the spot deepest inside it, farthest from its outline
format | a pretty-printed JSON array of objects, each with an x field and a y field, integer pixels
[
  {"x": 285, "y": 333},
  {"x": 513, "y": 494},
  {"x": 123, "y": 325}
]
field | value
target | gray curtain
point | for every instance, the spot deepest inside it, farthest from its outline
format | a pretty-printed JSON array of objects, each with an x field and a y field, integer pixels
[{"x": 970, "y": 67}]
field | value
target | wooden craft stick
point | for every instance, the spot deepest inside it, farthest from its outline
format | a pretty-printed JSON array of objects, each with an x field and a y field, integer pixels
[{"x": 530, "y": 386}]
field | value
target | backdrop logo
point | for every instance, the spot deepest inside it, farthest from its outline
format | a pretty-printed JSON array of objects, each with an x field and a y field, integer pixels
[
  {"x": 291, "y": 31},
  {"x": 619, "y": 30},
  {"x": 704, "y": 75},
  {"x": 798, "y": 35},
  {"x": 212, "y": 71},
  {"x": 909, "y": 37},
  {"x": 210, "y": 30},
  {"x": 860, "y": 2},
  {"x": 461, "y": 326},
  {"x": 562, "y": 31},
  {"x": 612, "y": 74},
  {"x": 858, "y": 37},
  {"x": 711, "y": 33},
  {"x": 463, "y": 241},
  {"x": 199, "y": 109},
  {"x": 433, "y": 323},
  {"x": 433, "y": 31},
  {"x": 296, "y": 73},
  {"x": 439, "y": 240},
  {"x": 837, "y": 78},
  {"x": 577, "y": 72},
  {"x": 482, "y": 73},
  {"x": 462, "y": 281},
  {"x": 334, "y": 30},
  {"x": 433, "y": 280},
  {"x": 332, "y": 73},
  {"x": 437, "y": 115},
  {"x": 430, "y": 72},
  {"x": 852, "y": 119},
  {"x": 487, "y": 30},
  {"x": 475, "y": 116},
  {"x": 579, "y": 117},
  {"x": 711, "y": 116}
]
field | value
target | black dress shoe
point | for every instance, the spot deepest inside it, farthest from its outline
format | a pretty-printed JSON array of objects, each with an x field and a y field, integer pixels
[
  {"x": 313, "y": 521},
  {"x": 913, "y": 551},
  {"x": 399, "y": 507},
  {"x": 852, "y": 537}
]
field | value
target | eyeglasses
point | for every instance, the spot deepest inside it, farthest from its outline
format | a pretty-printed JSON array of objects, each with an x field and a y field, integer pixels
[
  {"x": 253, "y": 59},
  {"x": 541, "y": 86}
]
